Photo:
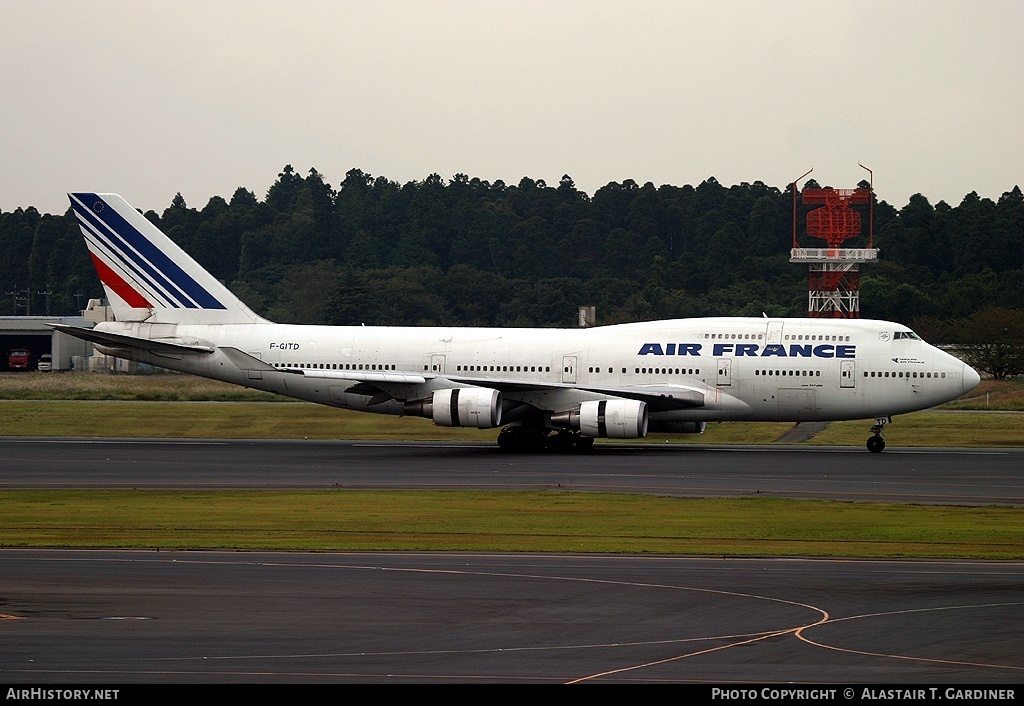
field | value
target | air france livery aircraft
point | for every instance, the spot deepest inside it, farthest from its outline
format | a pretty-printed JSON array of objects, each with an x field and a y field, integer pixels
[{"x": 553, "y": 388}]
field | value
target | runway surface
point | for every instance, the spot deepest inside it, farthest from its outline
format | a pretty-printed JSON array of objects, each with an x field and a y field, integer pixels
[
  {"x": 127, "y": 617},
  {"x": 918, "y": 475}
]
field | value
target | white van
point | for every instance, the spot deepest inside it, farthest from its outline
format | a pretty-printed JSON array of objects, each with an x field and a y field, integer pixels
[{"x": 45, "y": 363}]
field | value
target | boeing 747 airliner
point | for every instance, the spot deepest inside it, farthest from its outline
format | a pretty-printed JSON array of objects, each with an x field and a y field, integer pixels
[{"x": 547, "y": 388}]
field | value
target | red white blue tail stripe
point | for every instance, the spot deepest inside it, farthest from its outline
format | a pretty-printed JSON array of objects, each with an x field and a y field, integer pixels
[
  {"x": 147, "y": 277},
  {"x": 135, "y": 268}
]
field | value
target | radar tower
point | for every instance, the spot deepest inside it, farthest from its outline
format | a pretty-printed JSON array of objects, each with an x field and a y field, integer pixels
[{"x": 833, "y": 279}]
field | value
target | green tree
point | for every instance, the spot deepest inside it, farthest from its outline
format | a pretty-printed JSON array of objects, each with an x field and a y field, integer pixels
[
  {"x": 17, "y": 234},
  {"x": 992, "y": 341}
]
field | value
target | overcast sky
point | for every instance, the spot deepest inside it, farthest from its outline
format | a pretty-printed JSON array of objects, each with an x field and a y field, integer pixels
[{"x": 149, "y": 99}]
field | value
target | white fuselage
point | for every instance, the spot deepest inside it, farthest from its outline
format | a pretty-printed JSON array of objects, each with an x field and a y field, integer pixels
[{"x": 746, "y": 368}]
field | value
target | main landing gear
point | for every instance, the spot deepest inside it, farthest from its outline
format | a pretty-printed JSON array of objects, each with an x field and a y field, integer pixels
[
  {"x": 519, "y": 439},
  {"x": 876, "y": 442}
]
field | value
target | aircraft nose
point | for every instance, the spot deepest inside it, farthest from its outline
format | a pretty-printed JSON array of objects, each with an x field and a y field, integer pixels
[{"x": 971, "y": 378}]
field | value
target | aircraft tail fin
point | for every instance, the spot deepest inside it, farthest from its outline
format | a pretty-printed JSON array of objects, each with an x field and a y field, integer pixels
[{"x": 146, "y": 276}]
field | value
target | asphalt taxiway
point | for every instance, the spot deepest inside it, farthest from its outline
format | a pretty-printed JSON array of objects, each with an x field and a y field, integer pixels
[
  {"x": 918, "y": 475},
  {"x": 245, "y": 617}
]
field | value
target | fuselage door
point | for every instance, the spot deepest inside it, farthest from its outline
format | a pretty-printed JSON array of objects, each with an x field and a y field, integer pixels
[
  {"x": 569, "y": 369},
  {"x": 437, "y": 364},
  {"x": 724, "y": 372},
  {"x": 847, "y": 373},
  {"x": 775, "y": 332}
]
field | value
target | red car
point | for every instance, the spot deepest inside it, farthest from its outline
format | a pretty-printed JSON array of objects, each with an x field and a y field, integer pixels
[{"x": 18, "y": 359}]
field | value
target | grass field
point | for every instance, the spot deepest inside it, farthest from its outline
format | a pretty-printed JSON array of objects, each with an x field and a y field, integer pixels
[
  {"x": 330, "y": 520},
  {"x": 104, "y": 386}
]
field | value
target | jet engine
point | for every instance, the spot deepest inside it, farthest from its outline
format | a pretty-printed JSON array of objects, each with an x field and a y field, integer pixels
[
  {"x": 478, "y": 407},
  {"x": 607, "y": 419}
]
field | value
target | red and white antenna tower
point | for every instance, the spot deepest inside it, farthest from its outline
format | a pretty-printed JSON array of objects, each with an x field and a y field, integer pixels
[{"x": 833, "y": 277}]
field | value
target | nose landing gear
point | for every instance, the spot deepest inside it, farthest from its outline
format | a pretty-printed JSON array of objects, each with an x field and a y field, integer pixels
[{"x": 876, "y": 442}]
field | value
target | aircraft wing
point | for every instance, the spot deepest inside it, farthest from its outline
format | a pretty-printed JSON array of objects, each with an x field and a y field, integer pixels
[
  {"x": 658, "y": 397},
  {"x": 406, "y": 386},
  {"x": 368, "y": 382},
  {"x": 395, "y": 378}
]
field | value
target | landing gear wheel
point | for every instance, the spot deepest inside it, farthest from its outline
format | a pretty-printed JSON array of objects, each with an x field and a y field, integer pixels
[
  {"x": 520, "y": 440},
  {"x": 560, "y": 442},
  {"x": 584, "y": 443},
  {"x": 876, "y": 443},
  {"x": 508, "y": 440}
]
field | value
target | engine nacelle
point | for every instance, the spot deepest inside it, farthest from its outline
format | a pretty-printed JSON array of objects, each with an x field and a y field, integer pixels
[
  {"x": 478, "y": 407},
  {"x": 677, "y": 427},
  {"x": 607, "y": 419}
]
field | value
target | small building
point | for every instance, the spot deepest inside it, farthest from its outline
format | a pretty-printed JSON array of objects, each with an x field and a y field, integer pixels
[{"x": 32, "y": 334}]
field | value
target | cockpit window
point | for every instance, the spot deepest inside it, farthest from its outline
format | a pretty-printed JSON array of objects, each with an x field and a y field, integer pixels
[{"x": 907, "y": 334}]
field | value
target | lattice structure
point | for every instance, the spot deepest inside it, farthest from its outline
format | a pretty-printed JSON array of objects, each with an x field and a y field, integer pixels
[
  {"x": 833, "y": 280},
  {"x": 833, "y": 290},
  {"x": 835, "y": 221}
]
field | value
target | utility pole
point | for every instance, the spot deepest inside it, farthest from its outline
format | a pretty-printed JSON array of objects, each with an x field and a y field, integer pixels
[
  {"x": 22, "y": 299},
  {"x": 46, "y": 295}
]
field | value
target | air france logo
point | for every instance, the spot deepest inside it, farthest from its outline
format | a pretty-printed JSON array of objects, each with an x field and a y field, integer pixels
[{"x": 753, "y": 350}]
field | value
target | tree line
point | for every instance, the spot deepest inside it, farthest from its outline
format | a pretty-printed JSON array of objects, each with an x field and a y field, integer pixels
[{"x": 465, "y": 251}]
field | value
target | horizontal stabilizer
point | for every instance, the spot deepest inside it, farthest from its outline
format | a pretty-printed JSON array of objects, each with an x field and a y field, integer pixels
[{"x": 116, "y": 340}]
